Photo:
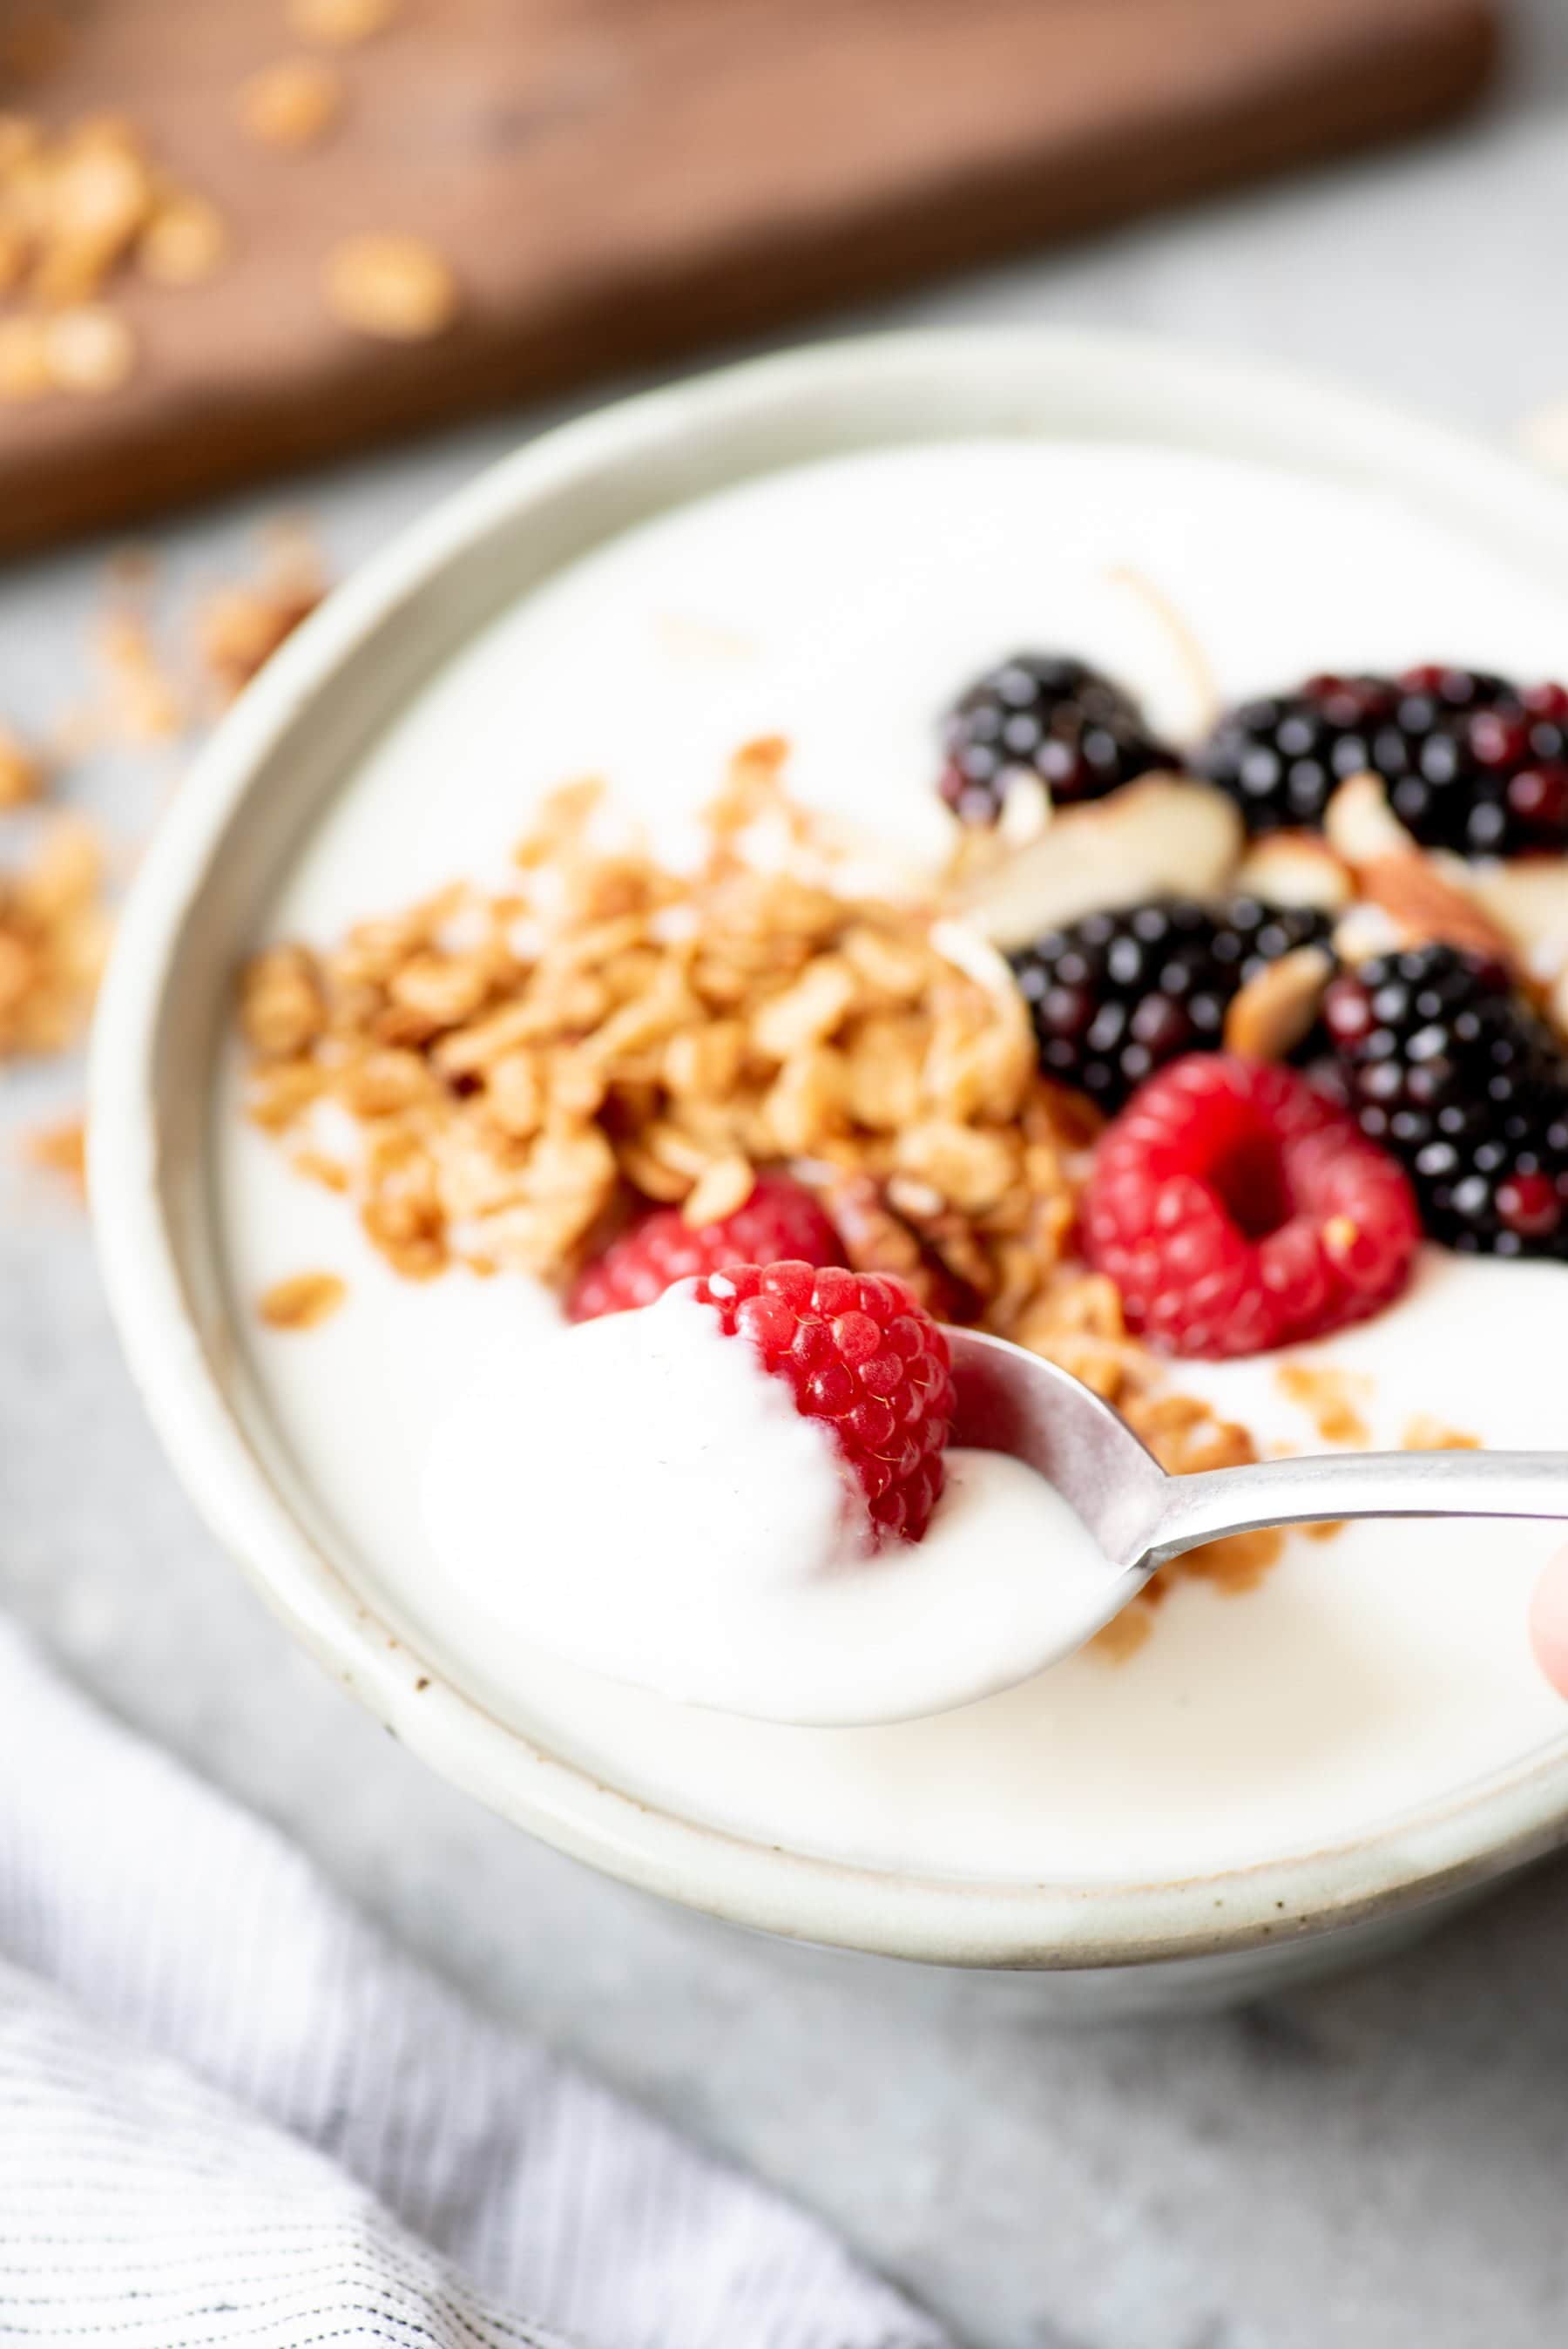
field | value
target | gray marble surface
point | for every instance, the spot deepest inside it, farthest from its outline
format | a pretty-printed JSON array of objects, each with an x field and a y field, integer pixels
[{"x": 1378, "y": 2162}]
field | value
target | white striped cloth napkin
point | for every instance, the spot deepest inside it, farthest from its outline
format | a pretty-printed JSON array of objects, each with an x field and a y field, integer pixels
[{"x": 231, "y": 2113}]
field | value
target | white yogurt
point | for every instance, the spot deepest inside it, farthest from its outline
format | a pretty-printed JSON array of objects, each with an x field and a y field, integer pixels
[
  {"x": 840, "y": 603},
  {"x": 678, "y": 1524}
]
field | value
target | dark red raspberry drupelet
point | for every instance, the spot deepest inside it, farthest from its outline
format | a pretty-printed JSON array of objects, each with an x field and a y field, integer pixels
[
  {"x": 861, "y": 1354},
  {"x": 779, "y": 1219},
  {"x": 1237, "y": 1209}
]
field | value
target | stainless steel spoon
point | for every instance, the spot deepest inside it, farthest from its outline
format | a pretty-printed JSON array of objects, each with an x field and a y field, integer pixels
[{"x": 1139, "y": 1518}]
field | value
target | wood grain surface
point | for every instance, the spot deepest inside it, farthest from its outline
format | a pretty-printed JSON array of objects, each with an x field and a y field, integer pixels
[{"x": 614, "y": 181}]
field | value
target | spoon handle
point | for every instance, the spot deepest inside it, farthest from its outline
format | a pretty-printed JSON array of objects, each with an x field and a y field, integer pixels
[{"x": 1217, "y": 1501}]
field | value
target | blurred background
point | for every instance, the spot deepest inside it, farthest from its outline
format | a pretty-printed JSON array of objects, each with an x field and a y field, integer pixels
[{"x": 274, "y": 274}]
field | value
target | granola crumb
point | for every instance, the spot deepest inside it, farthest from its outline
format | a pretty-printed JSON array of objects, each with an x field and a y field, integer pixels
[
  {"x": 60, "y": 1149},
  {"x": 1119, "y": 1639},
  {"x": 24, "y": 359},
  {"x": 239, "y": 626},
  {"x": 1425, "y": 1433},
  {"x": 1331, "y": 1400},
  {"x": 292, "y": 104},
  {"x": 89, "y": 350},
  {"x": 54, "y": 940},
  {"x": 396, "y": 288},
  {"x": 302, "y": 1301},
  {"x": 22, "y": 774},
  {"x": 80, "y": 205},
  {"x": 721, "y": 1189},
  {"x": 140, "y": 700},
  {"x": 341, "y": 24},
  {"x": 318, "y": 1167},
  {"x": 185, "y": 241}
]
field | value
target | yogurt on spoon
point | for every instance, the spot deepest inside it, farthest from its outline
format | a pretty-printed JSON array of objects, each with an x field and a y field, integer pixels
[{"x": 681, "y": 1524}]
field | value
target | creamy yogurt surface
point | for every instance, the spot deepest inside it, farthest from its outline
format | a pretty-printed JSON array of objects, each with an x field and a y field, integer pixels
[
  {"x": 841, "y": 604},
  {"x": 686, "y": 1529}
]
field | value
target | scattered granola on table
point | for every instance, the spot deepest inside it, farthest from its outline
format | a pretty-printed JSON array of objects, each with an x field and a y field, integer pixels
[
  {"x": 22, "y": 771},
  {"x": 398, "y": 289},
  {"x": 294, "y": 103},
  {"x": 80, "y": 206},
  {"x": 60, "y": 1149},
  {"x": 54, "y": 940},
  {"x": 239, "y": 626}
]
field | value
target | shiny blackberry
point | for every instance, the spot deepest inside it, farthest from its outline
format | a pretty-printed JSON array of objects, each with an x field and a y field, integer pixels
[
  {"x": 1116, "y": 994},
  {"x": 1045, "y": 714},
  {"x": 1283, "y": 757},
  {"x": 1472, "y": 761},
  {"x": 1453, "y": 1071}
]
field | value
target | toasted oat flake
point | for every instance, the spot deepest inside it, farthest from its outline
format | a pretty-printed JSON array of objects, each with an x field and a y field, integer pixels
[
  {"x": 724, "y": 1185},
  {"x": 89, "y": 350},
  {"x": 341, "y": 24},
  {"x": 291, "y": 104},
  {"x": 239, "y": 626},
  {"x": 54, "y": 940},
  {"x": 24, "y": 358},
  {"x": 184, "y": 242},
  {"x": 397, "y": 288},
  {"x": 60, "y": 1149},
  {"x": 21, "y": 770},
  {"x": 1426, "y": 1434},
  {"x": 302, "y": 1301},
  {"x": 1332, "y": 1400}
]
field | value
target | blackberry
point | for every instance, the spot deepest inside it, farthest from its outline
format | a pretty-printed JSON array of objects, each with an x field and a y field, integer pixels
[
  {"x": 1047, "y": 714},
  {"x": 1116, "y": 994},
  {"x": 1458, "y": 1075},
  {"x": 1472, "y": 761}
]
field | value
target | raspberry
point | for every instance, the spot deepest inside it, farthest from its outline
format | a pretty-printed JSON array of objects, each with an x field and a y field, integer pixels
[
  {"x": 1458, "y": 1074},
  {"x": 1047, "y": 714},
  {"x": 779, "y": 1219},
  {"x": 1238, "y": 1208},
  {"x": 862, "y": 1355},
  {"x": 1116, "y": 994}
]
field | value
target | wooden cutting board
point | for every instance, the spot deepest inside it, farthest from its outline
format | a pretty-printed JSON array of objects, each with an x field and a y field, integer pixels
[{"x": 614, "y": 181}]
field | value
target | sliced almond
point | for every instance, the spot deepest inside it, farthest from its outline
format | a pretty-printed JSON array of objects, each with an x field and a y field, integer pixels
[
  {"x": 1270, "y": 1015},
  {"x": 1425, "y": 904},
  {"x": 1359, "y": 824},
  {"x": 1296, "y": 868},
  {"x": 1161, "y": 835},
  {"x": 1528, "y": 898}
]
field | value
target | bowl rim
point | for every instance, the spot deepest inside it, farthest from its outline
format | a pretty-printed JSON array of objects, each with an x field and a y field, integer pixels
[{"x": 916, "y": 379}]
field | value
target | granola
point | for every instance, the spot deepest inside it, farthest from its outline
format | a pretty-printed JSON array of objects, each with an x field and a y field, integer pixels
[
  {"x": 303, "y": 1300},
  {"x": 54, "y": 940},
  {"x": 498, "y": 1079}
]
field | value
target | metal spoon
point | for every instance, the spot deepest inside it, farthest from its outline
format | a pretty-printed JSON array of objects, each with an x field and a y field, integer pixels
[{"x": 1140, "y": 1518}]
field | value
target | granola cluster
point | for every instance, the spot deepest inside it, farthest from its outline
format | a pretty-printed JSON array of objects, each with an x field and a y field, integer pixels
[{"x": 518, "y": 1069}]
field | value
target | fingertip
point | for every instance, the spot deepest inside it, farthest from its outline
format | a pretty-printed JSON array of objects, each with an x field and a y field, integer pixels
[{"x": 1548, "y": 1622}]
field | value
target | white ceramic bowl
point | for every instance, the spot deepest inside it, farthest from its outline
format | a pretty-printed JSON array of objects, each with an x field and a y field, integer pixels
[{"x": 217, "y": 859}]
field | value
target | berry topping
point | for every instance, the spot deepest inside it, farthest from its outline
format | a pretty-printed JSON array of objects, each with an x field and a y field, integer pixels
[
  {"x": 1237, "y": 1209},
  {"x": 1472, "y": 761},
  {"x": 1458, "y": 1074},
  {"x": 862, "y": 1355},
  {"x": 1119, "y": 995},
  {"x": 1046, "y": 715},
  {"x": 779, "y": 1219}
]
